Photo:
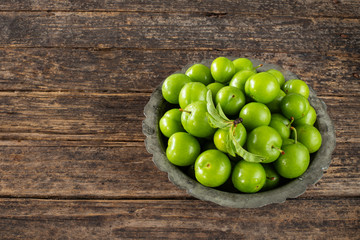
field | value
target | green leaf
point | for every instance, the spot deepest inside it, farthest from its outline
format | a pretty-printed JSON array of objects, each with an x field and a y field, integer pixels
[
  {"x": 221, "y": 113},
  {"x": 216, "y": 124},
  {"x": 230, "y": 148},
  {"x": 247, "y": 156},
  {"x": 215, "y": 119}
]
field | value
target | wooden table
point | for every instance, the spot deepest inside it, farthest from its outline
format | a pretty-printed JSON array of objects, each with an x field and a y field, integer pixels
[{"x": 76, "y": 75}]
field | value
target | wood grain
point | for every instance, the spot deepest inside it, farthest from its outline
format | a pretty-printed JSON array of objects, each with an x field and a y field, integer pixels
[
  {"x": 142, "y": 30},
  {"x": 126, "y": 171},
  {"x": 58, "y": 219},
  {"x": 319, "y": 8},
  {"x": 116, "y": 70}
]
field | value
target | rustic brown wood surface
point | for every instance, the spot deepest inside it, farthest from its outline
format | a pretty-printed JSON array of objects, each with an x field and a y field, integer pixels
[{"x": 75, "y": 77}]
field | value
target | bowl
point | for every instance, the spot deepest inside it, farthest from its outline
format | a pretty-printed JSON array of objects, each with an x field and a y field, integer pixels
[{"x": 320, "y": 161}]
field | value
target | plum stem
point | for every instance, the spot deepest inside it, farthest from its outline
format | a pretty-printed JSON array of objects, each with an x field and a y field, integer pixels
[
  {"x": 259, "y": 66},
  {"x": 183, "y": 110},
  {"x": 281, "y": 151},
  {"x": 295, "y": 133},
  {"x": 291, "y": 121},
  {"x": 237, "y": 121}
]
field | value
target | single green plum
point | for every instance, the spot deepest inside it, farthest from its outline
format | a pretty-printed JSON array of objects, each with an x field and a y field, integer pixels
[
  {"x": 170, "y": 122},
  {"x": 192, "y": 92},
  {"x": 243, "y": 64},
  {"x": 255, "y": 114},
  {"x": 294, "y": 162},
  {"x": 172, "y": 86},
  {"x": 278, "y": 75},
  {"x": 272, "y": 177},
  {"x": 265, "y": 141},
  {"x": 200, "y": 73},
  {"x": 309, "y": 136},
  {"x": 221, "y": 137},
  {"x": 262, "y": 87},
  {"x": 231, "y": 100},
  {"x": 183, "y": 149},
  {"x": 212, "y": 168},
  {"x": 294, "y": 105},
  {"x": 309, "y": 118},
  {"x": 296, "y": 86},
  {"x": 222, "y": 69},
  {"x": 248, "y": 177}
]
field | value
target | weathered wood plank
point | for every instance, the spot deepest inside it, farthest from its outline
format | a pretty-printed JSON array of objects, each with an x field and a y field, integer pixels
[
  {"x": 183, "y": 30},
  {"x": 126, "y": 171},
  {"x": 72, "y": 116},
  {"x": 116, "y": 117},
  {"x": 319, "y": 8},
  {"x": 142, "y": 71},
  {"x": 57, "y": 219}
]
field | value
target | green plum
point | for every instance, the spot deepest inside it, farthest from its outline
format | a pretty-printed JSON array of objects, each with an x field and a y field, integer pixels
[
  {"x": 294, "y": 162},
  {"x": 309, "y": 118},
  {"x": 172, "y": 86},
  {"x": 281, "y": 128},
  {"x": 296, "y": 86},
  {"x": 255, "y": 114},
  {"x": 239, "y": 79},
  {"x": 192, "y": 92},
  {"x": 274, "y": 105},
  {"x": 265, "y": 141},
  {"x": 215, "y": 87},
  {"x": 212, "y": 168},
  {"x": 200, "y": 73},
  {"x": 183, "y": 149},
  {"x": 294, "y": 105},
  {"x": 262, "y": 87},
  {"x": 170, "y": 122},
  {"x": 195, "y": 121},
  {"x": 231, "y": 100},
  {"x": 280, "y": 117},
  {"x": 221, "y": 137},
  {"x": 243, "y": 64},
  {"x": 272, "y": 177},
  {"x": 222, "y": 69},
  {"x": 248, "y": 177},
  {"x": 278, "y": 75},
  {"x": 309, "y": 136}
]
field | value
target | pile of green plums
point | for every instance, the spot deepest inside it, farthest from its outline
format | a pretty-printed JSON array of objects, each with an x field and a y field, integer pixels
[{"x": 273, "y": 119}]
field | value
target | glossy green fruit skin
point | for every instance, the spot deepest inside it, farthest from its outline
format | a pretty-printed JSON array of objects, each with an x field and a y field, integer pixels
[
  {"x": 183, "y": 149},
  {"x": 243, "y": 64},
  {"x": 222, "y": 69},
  {"x": 296, "y": 86},
  {"x": 309, "y": 118},
  {"x": 192, "y": 92},
  {"x": 212, "y": 168},
  {"x": 309, "y": 136},
  {"x": 221, "y": 137},
  {"x": 274, "y": 105},
  {"x": 196, "y": 122},
  {"x": 200, "y": 73},
  {"x": 231, "y": 100},
  {"x": 281, "y": 128},
  {"x": 278, "y": 75},
  {"x": 170, "y": 123},
  {"x": 294, "y": 162},
  {"x": 240, "y": 78},
  {"x": 214, "y": 88},
  {"x": 272, "y": 177},
  {"x": 262, "y": 141},
  {"x": 254, "y": 115},
  {"x": 172, "y": 86},
  {"x": 280, "y": 117},
  {"x": 248, "y": 177},
  {"x": 288, "y": 142},
  {"x": 294, "y": 105},
  {"x": 262, "y": 87}
]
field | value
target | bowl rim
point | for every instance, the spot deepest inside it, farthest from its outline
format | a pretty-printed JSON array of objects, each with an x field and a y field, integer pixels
[{"x": 292, "y": 189}]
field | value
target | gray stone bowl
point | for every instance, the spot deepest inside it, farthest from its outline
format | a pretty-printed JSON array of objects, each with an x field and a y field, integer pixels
[{"x": 320, "y": 161}]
